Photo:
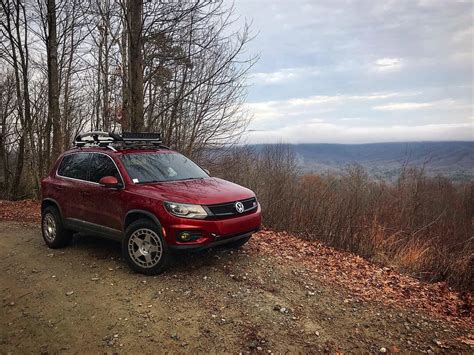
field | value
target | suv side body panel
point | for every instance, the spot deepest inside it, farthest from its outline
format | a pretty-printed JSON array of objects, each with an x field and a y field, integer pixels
[
  {"x": 104, "y": 206},
  {"x": 68, "y": 192},
  {"x": 63, "y": 192}
]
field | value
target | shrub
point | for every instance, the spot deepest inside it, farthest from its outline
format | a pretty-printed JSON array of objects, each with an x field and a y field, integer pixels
[{"x": 419, "y": 224}]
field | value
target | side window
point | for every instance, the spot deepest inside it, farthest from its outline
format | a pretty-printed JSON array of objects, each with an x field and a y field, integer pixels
[
  {"x": 75, "y": 166},
  {"x": 102, "y": 165}
]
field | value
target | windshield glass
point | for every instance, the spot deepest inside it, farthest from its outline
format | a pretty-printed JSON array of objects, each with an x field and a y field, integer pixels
[{"x": 159, "y": 167}]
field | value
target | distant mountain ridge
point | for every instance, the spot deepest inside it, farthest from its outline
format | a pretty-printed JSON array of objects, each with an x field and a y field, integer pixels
[{"x": 384, "y": 160}]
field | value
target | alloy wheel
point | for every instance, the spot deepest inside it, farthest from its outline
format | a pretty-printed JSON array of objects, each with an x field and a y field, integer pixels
[
  {"x": 49, "y": 227},
  {"x": 145, "y": 248}
]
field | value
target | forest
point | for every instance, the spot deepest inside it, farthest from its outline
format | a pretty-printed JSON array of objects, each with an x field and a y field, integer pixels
[{"x": 177, "y": 68}]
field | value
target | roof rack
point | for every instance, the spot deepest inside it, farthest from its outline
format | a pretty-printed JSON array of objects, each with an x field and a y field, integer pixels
[{"x": 125, "y": 140}]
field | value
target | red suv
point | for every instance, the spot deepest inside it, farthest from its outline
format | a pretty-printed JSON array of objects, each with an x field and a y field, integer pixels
[{"x": 153, "y": 200}]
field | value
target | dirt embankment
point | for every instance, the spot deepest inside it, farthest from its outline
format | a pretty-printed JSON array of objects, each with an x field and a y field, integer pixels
[{"x": 278, "y": 294}]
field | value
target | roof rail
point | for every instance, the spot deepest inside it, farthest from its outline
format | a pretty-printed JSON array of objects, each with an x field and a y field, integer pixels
[{"x": 126, "y": 139}]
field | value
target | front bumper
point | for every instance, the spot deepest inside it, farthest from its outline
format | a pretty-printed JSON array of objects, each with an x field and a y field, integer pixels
[
  {"x": 216, "y": 242},
  {"x": 212, "y": 232}
]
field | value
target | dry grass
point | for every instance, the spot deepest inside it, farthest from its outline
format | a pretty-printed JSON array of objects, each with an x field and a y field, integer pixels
[{"x": 419, "y": 224}]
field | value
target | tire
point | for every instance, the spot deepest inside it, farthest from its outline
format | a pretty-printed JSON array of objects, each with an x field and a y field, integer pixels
[
  {"x": 54, "y": 234},
  {"x": 238, "y": 243},
  {"x": 144, "y": 248}
]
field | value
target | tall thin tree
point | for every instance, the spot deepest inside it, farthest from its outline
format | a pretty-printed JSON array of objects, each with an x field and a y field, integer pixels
[
  {"x": 53, "y": 80},
  {"x": 135, "y": 63}
]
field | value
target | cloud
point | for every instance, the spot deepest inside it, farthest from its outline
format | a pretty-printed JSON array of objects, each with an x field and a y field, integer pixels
[
  {"x": 278, "y": 112},
  {"x": 388, "y": 64},
  {"x": 364, "y": 67},
  {"x": 323, "y": 99},
  {"x": 440, "y": 104},
  {"x": 345, "y": 119},
  {"x": 349, "y": 119},
  {"x": 332, "y": 133},
  {"x": 402, "y": 106},
  {"x": 282, "y": 76},
  {"x": 464, "y": 35}
]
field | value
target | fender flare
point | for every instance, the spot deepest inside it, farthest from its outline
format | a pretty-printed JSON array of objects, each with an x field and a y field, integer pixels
[
  {"x": 55, "y": 202},
  {"x": 144, "y": 212}
]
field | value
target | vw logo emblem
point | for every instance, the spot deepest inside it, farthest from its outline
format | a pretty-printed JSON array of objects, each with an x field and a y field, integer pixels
[{"x": 239, "y": 207}]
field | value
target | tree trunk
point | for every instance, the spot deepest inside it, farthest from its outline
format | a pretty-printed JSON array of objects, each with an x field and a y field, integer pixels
[
  {"x": 135, "y": 64},
  {"x": 125, "y": 116},
  {"x": 66, "y": 130},
  {"x": 3, "y": 159},
  {"x": 53, "y": 81},
  {"x": 19, "y": 168},
  {"x": 105, "y": 74}
]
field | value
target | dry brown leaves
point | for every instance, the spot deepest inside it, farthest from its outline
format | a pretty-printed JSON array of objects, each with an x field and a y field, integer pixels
[
  {"x": 366, "y": 280},
  {"x": 22, "y": 211},
  {"x": 363, "y": 279}
]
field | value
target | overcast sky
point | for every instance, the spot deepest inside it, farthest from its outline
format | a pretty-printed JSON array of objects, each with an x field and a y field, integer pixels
[{"x": 360, "y": 71}]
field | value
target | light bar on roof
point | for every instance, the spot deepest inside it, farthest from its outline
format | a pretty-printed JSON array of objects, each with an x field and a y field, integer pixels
[{"x": 141, "y": 136}]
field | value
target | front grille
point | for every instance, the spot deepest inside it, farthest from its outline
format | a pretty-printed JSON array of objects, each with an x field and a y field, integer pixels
[{"x": 229, "y": 209}]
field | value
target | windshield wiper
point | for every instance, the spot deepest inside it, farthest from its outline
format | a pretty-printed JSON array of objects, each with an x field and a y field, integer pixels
[
  {"x": 157, "y": 181},
  {"x": 149, "y": 182},
  {"x": 189, "y": 178}
]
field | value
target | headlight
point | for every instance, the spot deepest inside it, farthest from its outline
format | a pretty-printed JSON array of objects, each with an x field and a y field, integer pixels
[{"x": 185, "y": 210}]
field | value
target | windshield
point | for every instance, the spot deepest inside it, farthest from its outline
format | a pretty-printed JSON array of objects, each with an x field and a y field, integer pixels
[{"x": 159, "y": 167}]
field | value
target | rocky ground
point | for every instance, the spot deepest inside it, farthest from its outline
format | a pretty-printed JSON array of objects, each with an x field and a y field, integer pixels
[{"x": 278, "y": 294}]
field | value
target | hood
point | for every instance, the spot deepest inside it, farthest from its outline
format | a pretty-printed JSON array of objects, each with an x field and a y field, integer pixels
[{"x": 206, "y": 191}]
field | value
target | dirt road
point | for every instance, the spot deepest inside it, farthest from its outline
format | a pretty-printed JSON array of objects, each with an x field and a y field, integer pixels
[{"x": 85, "y": 299}]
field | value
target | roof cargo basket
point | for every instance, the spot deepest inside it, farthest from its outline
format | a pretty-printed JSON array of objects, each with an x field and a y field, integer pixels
[{"x": 124, "y": 140}]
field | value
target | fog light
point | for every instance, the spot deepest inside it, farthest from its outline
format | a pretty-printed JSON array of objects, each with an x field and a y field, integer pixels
[
  {"x": 187, "y": 236},
  {"x": 184, "y": 236}
]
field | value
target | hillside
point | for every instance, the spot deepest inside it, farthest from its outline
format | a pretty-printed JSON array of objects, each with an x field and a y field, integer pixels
[{"x": 383, "y": 160}]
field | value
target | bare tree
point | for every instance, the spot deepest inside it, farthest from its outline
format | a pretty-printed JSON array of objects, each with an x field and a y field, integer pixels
[
  {"x": 54, "y": 115},
  {"x": 195, "y": 74},
  {"x": 7, "y": 109},
  {"x": 15, "y": 50},
  {"x": 135, "y": 63},
  {"x": 173, "y": 67}
]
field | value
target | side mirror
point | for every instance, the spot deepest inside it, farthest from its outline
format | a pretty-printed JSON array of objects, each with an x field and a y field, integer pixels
[
  {"x": 207, "y": 171},
  {"x": 109, "y": 182}
]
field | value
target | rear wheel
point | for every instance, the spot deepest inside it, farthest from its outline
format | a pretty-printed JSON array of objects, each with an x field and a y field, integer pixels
[
  {"x": 54, "y": 234},
  {"x": 144, "y": 248}
]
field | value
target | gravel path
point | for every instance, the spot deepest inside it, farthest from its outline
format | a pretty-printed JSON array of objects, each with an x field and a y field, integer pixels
[{"x": 84, "y": 299}]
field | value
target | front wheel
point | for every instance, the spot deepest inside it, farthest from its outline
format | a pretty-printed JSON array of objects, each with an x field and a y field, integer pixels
[{"x": 144, "y": 248}]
